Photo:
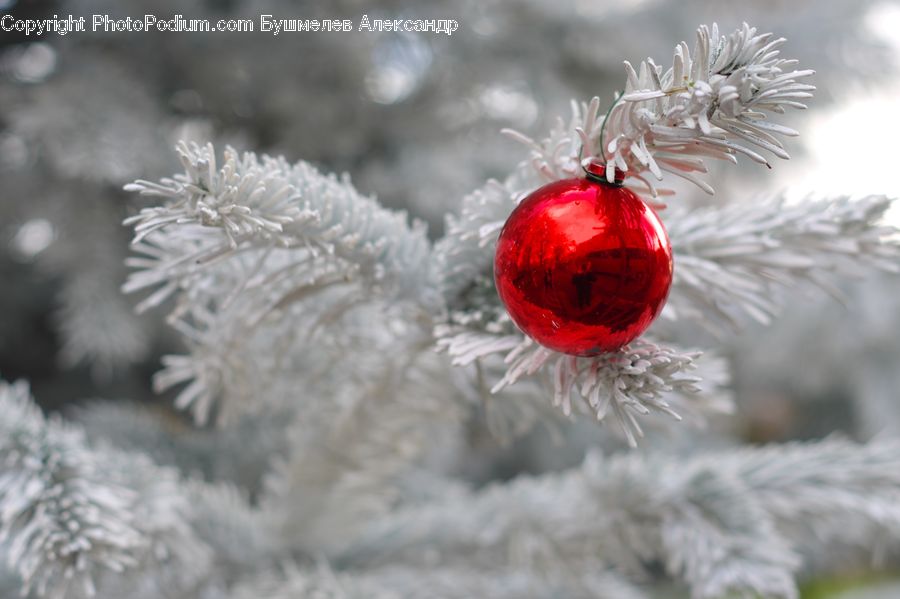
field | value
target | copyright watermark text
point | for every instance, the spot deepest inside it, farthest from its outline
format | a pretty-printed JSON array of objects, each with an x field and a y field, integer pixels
[{"x": 179, "y": 24}]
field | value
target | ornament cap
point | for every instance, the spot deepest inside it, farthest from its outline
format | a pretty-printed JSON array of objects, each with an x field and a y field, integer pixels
[{"x": 596, "y": 171}]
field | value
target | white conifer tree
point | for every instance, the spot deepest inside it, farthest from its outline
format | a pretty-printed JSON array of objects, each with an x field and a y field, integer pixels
[{"x": 343, "y": 353}]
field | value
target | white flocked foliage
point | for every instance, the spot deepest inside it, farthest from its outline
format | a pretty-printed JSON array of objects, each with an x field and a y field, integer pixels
[
  {"x": 726, "y": 523},
  {"x": 315, "y": 315},
  {"x": 71, "y": 514},
  {"x": 242, "y": 246},
  {"x": 710, "y": 103},
  {"x": 736, "y": 259}
]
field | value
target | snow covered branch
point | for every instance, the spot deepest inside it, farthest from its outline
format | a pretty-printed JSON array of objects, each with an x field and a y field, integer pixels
[
  {"x": 729, "y": 523},
  {"x": 709, "y": 104},
  {"x": 731, "y": 260},
  {"x": 828, "y": 491},
  {"x": 260, "y": 254},
  {"x": 635, "y": 381},
  {"x": 72, "y": 515},
  {"x": 706, "y": 105}
]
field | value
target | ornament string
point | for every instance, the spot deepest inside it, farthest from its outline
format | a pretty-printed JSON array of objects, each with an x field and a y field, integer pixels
[
  {"x": 603, "y": 126},
  {"x": 602, "y": 134}
]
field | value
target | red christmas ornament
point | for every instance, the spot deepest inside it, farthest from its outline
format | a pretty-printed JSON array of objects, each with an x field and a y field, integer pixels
[{"x": 583, "y": 266}]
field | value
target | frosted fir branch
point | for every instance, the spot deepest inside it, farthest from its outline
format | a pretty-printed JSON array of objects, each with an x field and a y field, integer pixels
[
  {"x": 60, "y": 519},
  {"x": 435, "y": 583},
  {"x": 259, "y": 242},
  {"x": 175, "y": 559},
  {"x": 569, "y": 145},
  {"x": 724, "y": 524},
  {"x": 835, "y": 490},
  {"x": 71, "y": 515},
  {"x": 260, "y": 200},
  {"x": 732, "y": 260},
  {"x": 624, "y": 385},
  {"x": 709, "y": 104}
]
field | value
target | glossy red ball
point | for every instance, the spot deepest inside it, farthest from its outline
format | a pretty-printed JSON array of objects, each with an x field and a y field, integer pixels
[{"x": 583, "y": 266}]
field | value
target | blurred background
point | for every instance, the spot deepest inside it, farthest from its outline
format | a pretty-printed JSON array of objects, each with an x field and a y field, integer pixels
[{"x": 415, "y": 120}]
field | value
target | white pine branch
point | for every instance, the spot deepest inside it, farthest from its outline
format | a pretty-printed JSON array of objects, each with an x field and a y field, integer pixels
[
  {"x": 729, "y": 523},
  {"x": 625, "y": 385},
  {"x": 71, "y": 515},
  {"x": 820, "y": 492},
  {"x": 731, "y": 260},
  {"x": 60, "y": 519},
  {"x": 267, "y": 199},
  {"x": 256, "y": 251},
  {"x": 711, "y": 103}
]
